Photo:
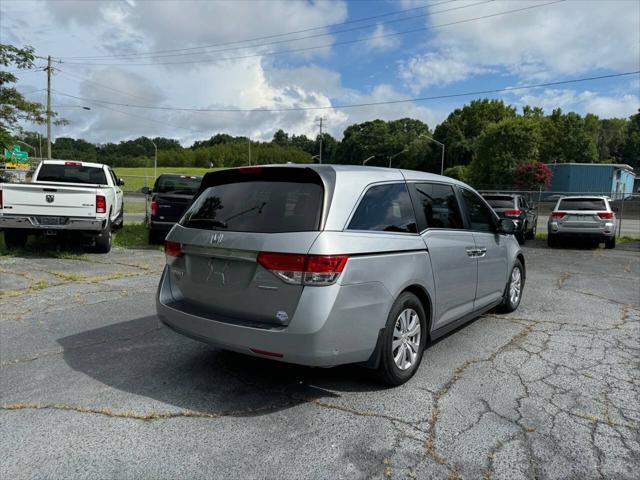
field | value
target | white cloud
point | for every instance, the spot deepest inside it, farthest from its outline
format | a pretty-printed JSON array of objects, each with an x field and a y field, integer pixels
[
  {"x": 436, "y": 68},
  {"x": 605, "y": 106},
  {"x": 380, "y": 41},
  {"x": 569, "y": 38}
]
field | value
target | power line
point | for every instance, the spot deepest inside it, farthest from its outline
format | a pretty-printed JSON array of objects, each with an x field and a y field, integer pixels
[
  {"x": 358, "y": 105},
  {"x": 288, "y": 40},
  {"x": 344, "y": 42},
  {"x": 266, "y": 37}
]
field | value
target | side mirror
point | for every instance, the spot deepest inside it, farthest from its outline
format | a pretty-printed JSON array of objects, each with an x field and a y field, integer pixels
[
  {"x": 145, "y": 190},
  {"x": 120, "y": 182},
  {"x": 506, "y": 226}
]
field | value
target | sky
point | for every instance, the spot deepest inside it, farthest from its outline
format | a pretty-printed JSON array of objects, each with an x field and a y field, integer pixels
[{"x": 296, "y": 54}]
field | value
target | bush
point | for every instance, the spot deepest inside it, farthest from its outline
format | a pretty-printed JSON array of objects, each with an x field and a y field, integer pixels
[{"x": 532, "y": 176}]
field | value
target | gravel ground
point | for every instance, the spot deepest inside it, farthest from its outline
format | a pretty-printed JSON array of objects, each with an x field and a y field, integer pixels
[{"x": 92, "y": 386}]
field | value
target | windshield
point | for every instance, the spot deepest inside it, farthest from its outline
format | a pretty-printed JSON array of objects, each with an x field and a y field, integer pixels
[
  {"x": 582, "y": 204},
  {"x": 258, "y": 205},
  {"x": 66, "y": 173},
  {"x": 500, "y": 202},
  {"x": 179, "y": 184}
]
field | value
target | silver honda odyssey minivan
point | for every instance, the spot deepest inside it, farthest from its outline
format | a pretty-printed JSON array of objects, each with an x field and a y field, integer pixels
[{"x": 324, "y": 265}]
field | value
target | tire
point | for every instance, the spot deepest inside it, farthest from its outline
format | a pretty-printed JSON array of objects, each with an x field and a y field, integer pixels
[
  {"x": 609, "y": 243},
  {"x": 156, "y": 237},
  {"x": 512, "y": 296},
  {"x": 15, "y": 239},
  {"x": 552, "y": 241},
  {"x": 104, "y": 239},
  {"x": 406, "y": 310},
  {"x": 521, "y": 236},
  {"x": 118, "y": 223},
  {"x": 532, "y": 233}
]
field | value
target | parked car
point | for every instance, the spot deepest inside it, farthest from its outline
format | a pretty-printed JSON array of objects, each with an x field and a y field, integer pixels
[
  {"x": 63, "y": 198},
  {"x": 170, "y": 196},
  {"x": 324, "y": 265},
  {"x": 518, "y": 209},
  {"x": 588, "y": 217}
]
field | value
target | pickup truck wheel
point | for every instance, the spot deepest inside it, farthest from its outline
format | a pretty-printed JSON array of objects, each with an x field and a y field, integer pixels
[
  {"x": 15, "y": 239},
  {"x": 610, "y": 243},
  {"x": 531, "y": 234},
  {"x": 104, "y": 239},
  {"x": 403, "y": 340}
]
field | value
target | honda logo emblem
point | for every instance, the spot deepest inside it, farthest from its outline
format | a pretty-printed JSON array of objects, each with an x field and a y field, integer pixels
[
  {"x": 216, "y": 238},
  {"x": 50, "y": 198}
]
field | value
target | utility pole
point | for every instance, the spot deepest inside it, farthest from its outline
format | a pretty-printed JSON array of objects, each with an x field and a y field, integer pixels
[
  {"x": 49, "y": 107},
  {"x": 320, "y": 119}
]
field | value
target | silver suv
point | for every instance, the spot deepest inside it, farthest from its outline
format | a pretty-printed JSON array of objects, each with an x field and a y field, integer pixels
[
  {"x": 323, "y": 265},
  {"x": 585, "y": 217}
]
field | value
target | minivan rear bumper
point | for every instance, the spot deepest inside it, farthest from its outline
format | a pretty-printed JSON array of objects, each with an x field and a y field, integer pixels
[{"x": 332, "y": 325}]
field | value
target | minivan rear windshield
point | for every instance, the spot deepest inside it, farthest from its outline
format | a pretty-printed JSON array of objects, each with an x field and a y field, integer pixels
[
  {"x": 265, "y": 200},
  {"x": 178, "y": 184},
  {"x": 582, "y": 204},
  {"x": 71, "y": 173},
  {"x": 500, "y": 202}
]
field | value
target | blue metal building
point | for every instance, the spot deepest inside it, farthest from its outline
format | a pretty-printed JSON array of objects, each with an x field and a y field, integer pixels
[{"x": 614, "y": 180}]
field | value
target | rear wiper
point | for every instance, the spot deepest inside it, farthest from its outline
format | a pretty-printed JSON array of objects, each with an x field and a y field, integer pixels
[
  {"x": 208, "y": 221},
  {"x": 248, "y": 210}
]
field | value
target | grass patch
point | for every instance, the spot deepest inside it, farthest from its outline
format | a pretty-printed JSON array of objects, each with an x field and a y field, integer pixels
[
  {"x": 133, "y": 235},
  {"x": 135, "y": 207},
  {"x": 137, "y": 177}
]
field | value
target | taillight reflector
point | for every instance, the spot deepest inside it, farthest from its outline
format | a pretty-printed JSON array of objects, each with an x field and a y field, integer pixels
[
  {"x": 513, "y": 213},
  {"x": 154, "y": 207},
  {"x": 101, "y": 204},
  {"x": 606, "y": 214},
  {"x": 173, "y": 249},
  {"x": 558, "y": 214},
  {"x": 304, "y": 269},
  {"x": 267, "y": 353}
]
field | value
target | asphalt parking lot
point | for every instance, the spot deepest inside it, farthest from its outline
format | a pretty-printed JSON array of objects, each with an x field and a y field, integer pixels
[{"x": 92, "y": 386}]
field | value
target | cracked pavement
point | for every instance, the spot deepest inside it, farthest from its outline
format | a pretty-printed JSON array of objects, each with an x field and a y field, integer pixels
[{"x": 92, "y": 386}]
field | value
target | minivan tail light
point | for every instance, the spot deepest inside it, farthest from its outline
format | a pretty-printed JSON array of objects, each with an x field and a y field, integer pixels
[
  {"x": 558, "y": 214},
  {"x": 173, "y": 249},
  {"x": 513, "y": 213},
  {"x": 606, "y": 215},
  {"x": 298, "y": 269},
  {"x": 101, "y": 204},
  {"x": 154, "y": 207}
]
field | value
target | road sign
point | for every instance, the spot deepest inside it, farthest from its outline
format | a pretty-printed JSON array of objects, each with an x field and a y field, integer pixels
[{"x": 16, "y": 154}]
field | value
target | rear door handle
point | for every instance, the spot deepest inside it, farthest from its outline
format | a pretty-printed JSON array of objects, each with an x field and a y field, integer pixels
[{"x": 472, "y": 252}]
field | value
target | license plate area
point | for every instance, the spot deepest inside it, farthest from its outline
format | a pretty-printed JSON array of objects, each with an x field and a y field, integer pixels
[{"x": 51, "y": 221}]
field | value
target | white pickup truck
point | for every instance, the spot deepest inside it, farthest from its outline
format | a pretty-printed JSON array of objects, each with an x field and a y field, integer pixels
[{"x": 64, "y": 197}]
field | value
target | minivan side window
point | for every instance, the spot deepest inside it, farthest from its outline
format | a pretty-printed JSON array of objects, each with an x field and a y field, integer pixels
[
  {"x": 438, "y": 206},
  {"x": 385, "y": 208},
  {"x": 480, "y": 216}
]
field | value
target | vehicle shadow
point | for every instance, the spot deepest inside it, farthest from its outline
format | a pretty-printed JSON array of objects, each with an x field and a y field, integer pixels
[
  {"x": 577, "y": 244},
  {"x": 142, "y": 358}
]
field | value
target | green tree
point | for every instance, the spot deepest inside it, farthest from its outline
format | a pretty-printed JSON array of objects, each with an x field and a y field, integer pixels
[
  {"x": 403, "y": 139},
  {"x": 568, "y": 137},
  {"x": 14, "y": 107},
  {"x": 459, "y": 172},
  {"x": 281, "y": 138},
  {"x": 500, "y": 148},
  {"x": 631, "y": 148},
  {"x": 464, "y": 125},
  {"x": 611, "y": 139}
]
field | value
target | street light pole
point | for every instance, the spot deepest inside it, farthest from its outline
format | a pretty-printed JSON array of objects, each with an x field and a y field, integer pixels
[
  {"x": 364, "y": 162},
  {"x": 49, "y": 107},
  {"x": 395, "y": 155},
  {"x": 442, "y": 145}
]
